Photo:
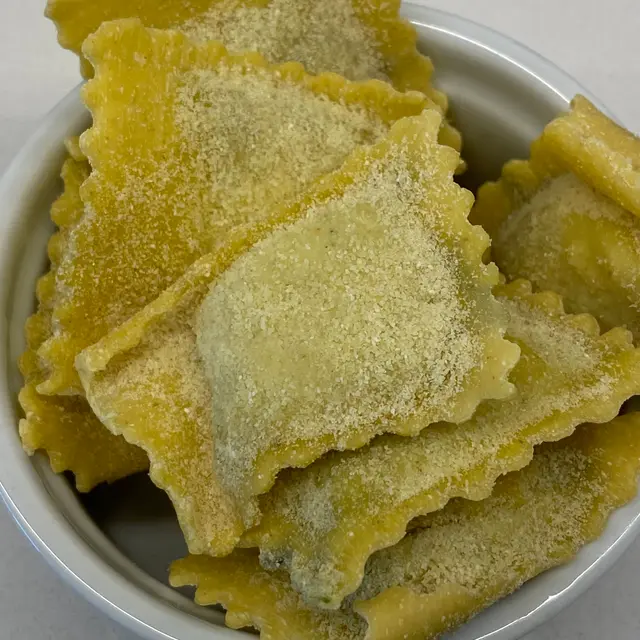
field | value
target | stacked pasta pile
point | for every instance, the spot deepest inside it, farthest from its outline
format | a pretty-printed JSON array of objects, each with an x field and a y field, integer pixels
[{"x": 265, "y": 288}]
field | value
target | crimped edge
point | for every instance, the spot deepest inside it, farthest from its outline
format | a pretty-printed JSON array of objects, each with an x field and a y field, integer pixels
[
  {"x": 578, "y": 142},
  {"x": 598, "y": 151},
  {"x": 65, "y": 212},
  {"x": 251, "y": 595}
]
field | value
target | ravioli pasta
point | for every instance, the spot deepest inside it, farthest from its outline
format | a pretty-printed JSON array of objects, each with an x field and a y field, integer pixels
[
  {"x": 461, "y": 560},
  {"x": 358, "y": 39},
  {"x": 568, "y": 218},
  {"x": 322, "y": 523},
  {"x": 66, "y": 428},
  {"x": 187, "y": 143},
  {"x": 397, "y": 227},
  {"x": 408, "y": 333},
  {"x": 133, "y": 376}
]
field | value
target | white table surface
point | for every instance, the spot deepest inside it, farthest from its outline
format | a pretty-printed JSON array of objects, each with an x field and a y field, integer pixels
[{"x": 597, "y": 41}]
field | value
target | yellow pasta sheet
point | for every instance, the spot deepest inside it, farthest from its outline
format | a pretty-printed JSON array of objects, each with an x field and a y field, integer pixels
[
  {"x": 147, "y": 381},
  {"x": 66, "y": 428},
  {"x": 464, "y": 558},
  {"x": 567, "y": 219},
  {"x": 187, "y": 143},
  {"x": 358, "y": 39},
  {"x": 323, "y": 523}
]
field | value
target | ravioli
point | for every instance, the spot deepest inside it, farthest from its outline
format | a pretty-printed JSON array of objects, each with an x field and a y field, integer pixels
[
  {"x": 119, "y": 372},
  {"x": 358, "y": 39},
  {"x": 66, "y": 428},
  {"x": 460, "y": 561},
  {"x": 187, "y": 143},
  {"x": 322, "y": 523},
  {"x": 568, "y": 218},
  {"x": 372, "y": 314}
]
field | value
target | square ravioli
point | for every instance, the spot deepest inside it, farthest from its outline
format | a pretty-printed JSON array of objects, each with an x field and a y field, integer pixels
[
  {"x": 461, "y": 560},
  {"x": 66, "y": 428},
  {"x": 417, "y": 175},
  {"x": 188, "y": 142},
  {"x": 568, "y": 219},
  {"x": 323, "y": 523}
]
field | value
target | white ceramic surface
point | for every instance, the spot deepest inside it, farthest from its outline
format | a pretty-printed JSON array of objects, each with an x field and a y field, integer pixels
[{"x": 503, "y": 94}]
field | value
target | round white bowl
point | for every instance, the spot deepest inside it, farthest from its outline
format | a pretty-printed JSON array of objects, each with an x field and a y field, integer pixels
[{"x": 115, "y": 544}]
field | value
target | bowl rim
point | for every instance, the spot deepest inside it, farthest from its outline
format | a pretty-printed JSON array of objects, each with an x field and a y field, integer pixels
[
  {"x": 26, "y": 496},
  {"x": 505, "y": 47}
]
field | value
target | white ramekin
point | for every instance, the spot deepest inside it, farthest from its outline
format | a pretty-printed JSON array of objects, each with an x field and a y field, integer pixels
[{"x": 503, "y": 95}]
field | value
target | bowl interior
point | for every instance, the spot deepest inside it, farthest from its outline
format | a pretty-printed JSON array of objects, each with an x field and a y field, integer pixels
[{"x": 502, "y": 96}]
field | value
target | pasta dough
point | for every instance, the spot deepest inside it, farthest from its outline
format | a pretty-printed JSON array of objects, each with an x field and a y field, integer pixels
[
  {"x": 567, "y": 219},
  {"x": 66, "y": 428},
  {"x": 187, "y": 143},
  {"x": 462, "y": 559},
  {"x": 322, "y": 523},
  {"x": 181, "y": 444}
]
